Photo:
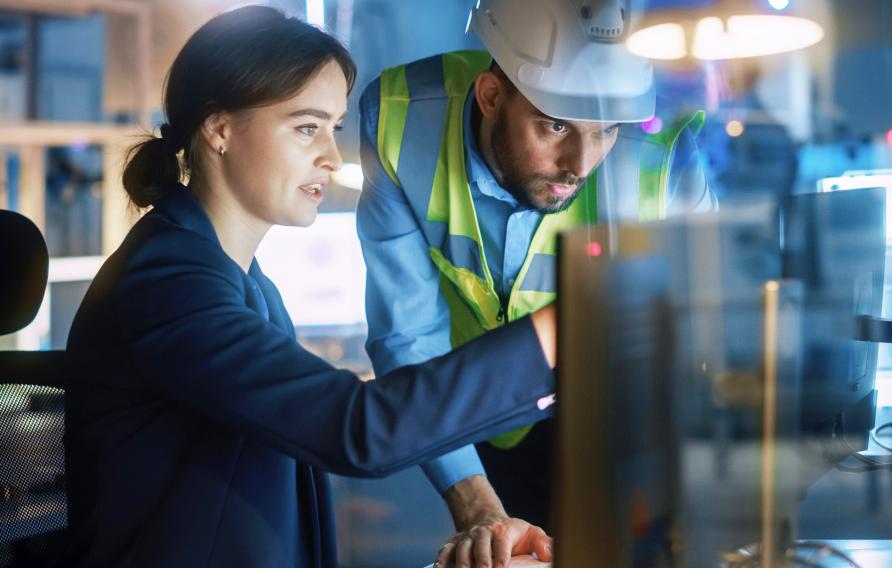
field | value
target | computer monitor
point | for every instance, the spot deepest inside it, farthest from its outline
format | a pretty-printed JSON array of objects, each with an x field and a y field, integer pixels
[
  {"x": 835, "y": 244},
  {"x": 672, "y": 450}
]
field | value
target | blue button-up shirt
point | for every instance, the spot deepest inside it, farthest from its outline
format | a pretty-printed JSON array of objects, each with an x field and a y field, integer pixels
[{"x": 408, "y": 318}]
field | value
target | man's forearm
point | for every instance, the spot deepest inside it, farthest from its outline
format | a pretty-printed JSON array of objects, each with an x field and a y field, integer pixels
[{"x": 472, "y": 501}]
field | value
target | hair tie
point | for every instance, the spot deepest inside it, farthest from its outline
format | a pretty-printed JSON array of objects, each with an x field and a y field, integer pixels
[{"x": 168, "y": 138}]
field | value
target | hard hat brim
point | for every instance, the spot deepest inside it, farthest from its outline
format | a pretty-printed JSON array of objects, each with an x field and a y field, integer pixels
[{"x": 592, "y": 108}]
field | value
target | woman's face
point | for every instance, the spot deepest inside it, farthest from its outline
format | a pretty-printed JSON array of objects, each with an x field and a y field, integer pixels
[{"x": 279, "y": 157}]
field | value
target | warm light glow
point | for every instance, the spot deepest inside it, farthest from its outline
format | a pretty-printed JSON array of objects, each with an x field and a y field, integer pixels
[
  {"x": 889, "y": 137},
  {"x": 594, "y": 249},
  {"x": 734, "y": 128},
  {"x": 752, "y": 36},
  {"x": 665, "y": 41},
  {"x": 740, "y": 36},
  {"x": 349, "y": 176}
]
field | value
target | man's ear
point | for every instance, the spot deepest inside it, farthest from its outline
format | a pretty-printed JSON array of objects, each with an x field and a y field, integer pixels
[
  {"x": 490, "y": 92},
  {"x": 216, "y": 131}
]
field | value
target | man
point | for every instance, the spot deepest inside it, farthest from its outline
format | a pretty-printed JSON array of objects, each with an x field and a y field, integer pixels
[{"x": 473, "y": 161}]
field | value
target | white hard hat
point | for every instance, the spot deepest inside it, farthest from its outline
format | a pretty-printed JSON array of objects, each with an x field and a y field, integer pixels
[{"x": 566, "y": 57}]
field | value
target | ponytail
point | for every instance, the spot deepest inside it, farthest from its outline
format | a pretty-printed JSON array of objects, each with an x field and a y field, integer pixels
[{"x": 152, "y": 168}]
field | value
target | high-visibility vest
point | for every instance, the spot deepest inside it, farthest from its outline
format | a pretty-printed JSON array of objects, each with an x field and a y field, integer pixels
[{"x": 421, "y": 146}]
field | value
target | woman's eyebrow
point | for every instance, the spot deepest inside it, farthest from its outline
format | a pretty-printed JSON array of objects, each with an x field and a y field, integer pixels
[{"x": 315, "y": 112}]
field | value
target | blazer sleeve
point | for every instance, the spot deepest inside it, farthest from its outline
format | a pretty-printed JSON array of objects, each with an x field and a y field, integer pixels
[{"x": 181, "y": 308}]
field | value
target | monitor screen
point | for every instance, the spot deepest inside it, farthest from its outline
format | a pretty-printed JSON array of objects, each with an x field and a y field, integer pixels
[
  {"x": 319, "y": 270},
  {"x": 660, "y": 341},
  {"x": 696, "y": 359},
  {"x": 834, "y": 243}
]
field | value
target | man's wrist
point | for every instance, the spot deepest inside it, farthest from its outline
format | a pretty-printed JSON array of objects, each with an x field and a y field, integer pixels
[{"x": 473, "y": 501}]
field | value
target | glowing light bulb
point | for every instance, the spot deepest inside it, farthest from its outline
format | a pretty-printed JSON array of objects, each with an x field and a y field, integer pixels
[
  {"x": 665, "y": 41},
  {"x": 752, "y": 36},
  {"x": 734, "y": 37}
]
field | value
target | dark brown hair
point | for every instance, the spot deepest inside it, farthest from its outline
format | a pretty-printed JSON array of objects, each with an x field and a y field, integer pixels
[
  {"x": 242, "y": 59},
  {"x": 510, "y": 88}
]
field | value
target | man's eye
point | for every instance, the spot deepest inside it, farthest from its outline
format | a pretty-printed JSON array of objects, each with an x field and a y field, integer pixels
[
  {"x": 558, "y": 127},
  {"x": 309, "y": 129},
  {"x": 611, "y": 130},
  {"x": 338, "y": 127}
]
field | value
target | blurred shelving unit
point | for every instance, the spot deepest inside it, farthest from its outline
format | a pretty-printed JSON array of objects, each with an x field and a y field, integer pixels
[{"x": 31, "y": 138}]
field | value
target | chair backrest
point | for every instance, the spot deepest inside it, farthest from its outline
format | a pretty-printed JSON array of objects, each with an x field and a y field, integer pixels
[
  {"x": 33, "y": 507},
  {"x": 24, "y": 265}
]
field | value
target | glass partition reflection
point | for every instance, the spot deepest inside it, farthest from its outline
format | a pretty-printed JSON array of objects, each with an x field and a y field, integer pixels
[{"x": 717, "y": 373}]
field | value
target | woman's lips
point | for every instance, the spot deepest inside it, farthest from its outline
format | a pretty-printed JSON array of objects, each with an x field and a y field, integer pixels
[{"x": 313, "y": 191}]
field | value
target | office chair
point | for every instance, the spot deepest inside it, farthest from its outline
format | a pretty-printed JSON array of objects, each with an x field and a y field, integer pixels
[{"x": 32, "y": 467}]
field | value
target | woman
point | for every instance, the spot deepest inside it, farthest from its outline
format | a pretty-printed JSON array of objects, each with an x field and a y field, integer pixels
[{"x": 197, "y": 427}]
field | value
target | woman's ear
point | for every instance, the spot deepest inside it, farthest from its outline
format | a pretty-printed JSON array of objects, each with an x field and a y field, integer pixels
[
  {"x": 216, "y": 132},
  {"x": 490, "y": 93}
]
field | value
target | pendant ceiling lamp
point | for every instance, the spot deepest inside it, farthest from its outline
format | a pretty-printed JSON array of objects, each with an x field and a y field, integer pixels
[{"x": 724, "y": 29}]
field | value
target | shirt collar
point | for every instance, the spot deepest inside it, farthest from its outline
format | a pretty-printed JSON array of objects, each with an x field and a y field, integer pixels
[{"x": 181, "y": 206}]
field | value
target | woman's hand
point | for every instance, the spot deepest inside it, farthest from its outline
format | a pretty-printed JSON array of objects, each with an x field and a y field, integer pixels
[{"x": 545, "y": 323}]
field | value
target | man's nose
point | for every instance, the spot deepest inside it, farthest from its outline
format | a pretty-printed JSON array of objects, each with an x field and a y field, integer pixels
[{"x": 580, "y": 156}]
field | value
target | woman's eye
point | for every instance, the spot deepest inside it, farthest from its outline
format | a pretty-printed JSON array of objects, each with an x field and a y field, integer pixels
[
  {"x": 338, "y": 127},
  {"x": 309, "y": 129}
]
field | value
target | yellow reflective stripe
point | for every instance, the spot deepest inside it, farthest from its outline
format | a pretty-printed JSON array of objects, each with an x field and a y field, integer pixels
[
  {"x": 451, "y": 199},
  {"x": 651, "y": 197},
  {"x": 392, "y": 118},
  {"x": 460, "y": 310},
  {"x": 667, "y": 136},
  {"x": 460, "y": 68},
  {"x": 510, "y": 439},
  {"x": 451, "y": 190},
  {"x": 584, "y": 210},
  {"x": 527, "y": 302},
  {"x": 472, "y": 289}
]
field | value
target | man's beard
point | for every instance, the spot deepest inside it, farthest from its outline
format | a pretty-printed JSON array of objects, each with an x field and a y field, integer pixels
[{"x": 530, "y": 190}]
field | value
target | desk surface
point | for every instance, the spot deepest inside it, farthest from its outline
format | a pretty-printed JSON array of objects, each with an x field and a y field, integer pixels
[
  {"x": 522, "y": 562},
  {"x": 866, "y": 553}
]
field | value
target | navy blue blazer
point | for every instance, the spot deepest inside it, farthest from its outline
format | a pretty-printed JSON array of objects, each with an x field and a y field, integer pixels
[{"x": 198, "y": 429}]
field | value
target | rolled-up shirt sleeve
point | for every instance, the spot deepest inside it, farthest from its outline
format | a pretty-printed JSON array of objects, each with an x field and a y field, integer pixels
[{"x": 408, "y": 318}]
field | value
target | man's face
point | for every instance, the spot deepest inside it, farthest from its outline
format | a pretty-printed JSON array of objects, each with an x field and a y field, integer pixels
[{"x": 544, "y": 161}]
